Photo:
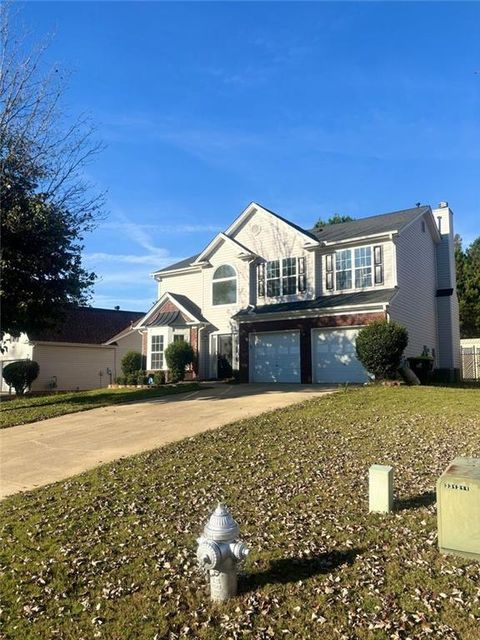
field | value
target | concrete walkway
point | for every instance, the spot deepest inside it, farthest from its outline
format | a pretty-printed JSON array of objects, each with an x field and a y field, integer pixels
[{"x": 33, "y": 455}]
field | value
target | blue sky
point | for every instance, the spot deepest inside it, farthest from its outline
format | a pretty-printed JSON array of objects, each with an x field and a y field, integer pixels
[{"x": 307, "y": 108}]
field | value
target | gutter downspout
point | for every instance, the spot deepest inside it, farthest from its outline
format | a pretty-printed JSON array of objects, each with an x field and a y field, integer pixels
[{"x": 199, "y": 342}]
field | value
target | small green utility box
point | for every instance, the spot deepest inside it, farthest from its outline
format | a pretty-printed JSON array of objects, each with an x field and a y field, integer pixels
[{"x": 458, "y": 508}]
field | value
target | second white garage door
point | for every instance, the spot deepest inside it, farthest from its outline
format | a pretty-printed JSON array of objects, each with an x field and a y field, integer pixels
[
  {"x": 275, "y": 357},
  {"x": 334, "y": 358}
]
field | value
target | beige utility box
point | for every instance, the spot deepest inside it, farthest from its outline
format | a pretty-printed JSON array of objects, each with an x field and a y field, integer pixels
[{"x": 458, "y": 508}]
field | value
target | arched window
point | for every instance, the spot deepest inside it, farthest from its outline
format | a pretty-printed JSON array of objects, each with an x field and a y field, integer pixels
[{"x": 224, "y": 285}]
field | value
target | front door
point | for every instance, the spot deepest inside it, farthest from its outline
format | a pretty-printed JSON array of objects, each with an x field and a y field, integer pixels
[{"x": 224, "y": 356}]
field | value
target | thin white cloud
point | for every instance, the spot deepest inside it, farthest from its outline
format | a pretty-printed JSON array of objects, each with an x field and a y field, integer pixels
[
  {"x": 162, "y": 228},
  {"x": 124, "y": 277},
  {"x": 148, "y": 259}
]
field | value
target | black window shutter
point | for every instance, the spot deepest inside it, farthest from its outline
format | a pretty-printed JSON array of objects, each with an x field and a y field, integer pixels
[
  {"x": 261, "y": 280},
  {"x": 302, "y": 280},
  {"x": 329, "y": 271},
  {"x": 378, "y": 263}
]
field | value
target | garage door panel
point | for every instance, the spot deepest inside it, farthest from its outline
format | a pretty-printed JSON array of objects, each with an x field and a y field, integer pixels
[
  {"x": 275, "y": 357},
  {"x": 334, "y": 357}
]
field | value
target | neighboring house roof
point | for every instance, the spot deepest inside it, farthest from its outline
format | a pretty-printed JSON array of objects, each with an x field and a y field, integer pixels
[
  {"x": 382, "y": 223},
  {"x": 88, "y": 325},
  {"x": 360, "y": 298}
]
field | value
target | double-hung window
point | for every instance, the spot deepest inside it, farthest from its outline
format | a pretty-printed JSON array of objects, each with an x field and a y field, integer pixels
[
  {"x": 156, "y": 352},
  {"x": 289, "y": 276},
  {"x": 343, "y": 269},
  {"x": 281, "y": 277},
  {"x": 363, "y": 267},
  {"x": 274, "y": 282},
  {"x": 354, "y": 268}
]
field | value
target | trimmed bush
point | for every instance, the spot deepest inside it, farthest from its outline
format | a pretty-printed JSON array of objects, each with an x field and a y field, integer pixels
[
  {"x": 131, "y": 378},
  {"x": 141, "y": 377},
  {"x": 159, "y": 378},
  {"x": 380, "y": 346},
  {"x": 21, "y": 374},
  {"x": 120, "y": 380},
  {"x": 178, "y": 356},
  {"x": 131, "y": 363}
]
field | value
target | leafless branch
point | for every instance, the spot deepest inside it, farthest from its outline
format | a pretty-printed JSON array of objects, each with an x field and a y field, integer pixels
[{"x": 52, "y": 151}]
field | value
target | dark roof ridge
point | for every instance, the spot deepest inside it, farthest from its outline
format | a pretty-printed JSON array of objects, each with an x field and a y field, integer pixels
[{"x": 289, "y": 222}]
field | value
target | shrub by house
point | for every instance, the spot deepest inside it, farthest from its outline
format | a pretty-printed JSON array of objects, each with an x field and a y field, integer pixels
[
  {"x": 21, "y": 374},
  {"x": 178, "y": 355},
  {"x": 380, "y": 346}
]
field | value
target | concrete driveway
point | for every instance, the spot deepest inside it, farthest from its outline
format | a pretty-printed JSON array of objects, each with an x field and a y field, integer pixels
[{"x": 37, "y": 454}]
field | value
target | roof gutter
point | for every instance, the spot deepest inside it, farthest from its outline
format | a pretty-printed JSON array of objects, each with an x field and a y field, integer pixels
[
  {"x": 370, "y": 306},
  {"x": 388, "y": 235}
]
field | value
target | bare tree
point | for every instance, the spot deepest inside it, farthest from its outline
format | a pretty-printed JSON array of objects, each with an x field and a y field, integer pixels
[
  {"x": 34, "y": 130},
  {"x": 47, "y": 204}
]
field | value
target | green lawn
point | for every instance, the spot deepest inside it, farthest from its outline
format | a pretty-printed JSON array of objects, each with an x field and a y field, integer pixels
[
  {"x": 30, "y": 409},
  {"x": 111, "y": 553}
]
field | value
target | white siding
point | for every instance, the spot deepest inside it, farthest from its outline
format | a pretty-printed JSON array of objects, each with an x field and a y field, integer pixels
[
  {"x": 189, "y": 284},
  {"x": 75, "y": 366},
  {"x": 272, "y": 239},
  {"x": 414, "y": 306},
  {"x": 131, "y": 342},
  {"x": 219, "y": 315},
  {"x": 447, "y": 307},
  {"x": 14, "y": 349}
]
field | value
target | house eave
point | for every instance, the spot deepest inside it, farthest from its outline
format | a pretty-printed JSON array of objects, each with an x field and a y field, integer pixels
[
  {"x": 244, "y": 252},
  {"x": 385, "y": 235},
  {"x": 158, "y": 275},
  {"x": 308, "y": 313},
  {"x": 53, "y": 343}
]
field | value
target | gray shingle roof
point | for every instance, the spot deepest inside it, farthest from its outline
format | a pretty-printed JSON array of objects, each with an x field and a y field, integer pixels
[
  {"x": 164, "y": 319},
  {"x": 188, "y": 305},
  {"x": 324, "y": 302},
  {"x": 180, "y": 264},
  {"x": 382, "y": 223},
  {"x": 88, "y": 325}
]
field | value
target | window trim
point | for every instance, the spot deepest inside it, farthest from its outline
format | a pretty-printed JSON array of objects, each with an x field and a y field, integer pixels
[
  {"x": 161, "y": 352},
  {"x": 227, "y": 279},
  {"x": 296, "y": 272},
  {"x": 376, "y": 266}
]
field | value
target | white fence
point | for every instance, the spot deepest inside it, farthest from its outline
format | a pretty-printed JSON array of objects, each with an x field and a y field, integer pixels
[{"x": 470, "y": 357}]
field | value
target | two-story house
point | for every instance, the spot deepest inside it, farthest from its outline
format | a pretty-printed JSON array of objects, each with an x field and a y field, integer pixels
[{"x": 285, "y": 304}]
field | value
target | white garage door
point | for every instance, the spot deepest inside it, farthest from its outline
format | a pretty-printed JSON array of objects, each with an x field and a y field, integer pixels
[
  {"x": 334, "y": 358},
  {"x": 275, "y": 357}
]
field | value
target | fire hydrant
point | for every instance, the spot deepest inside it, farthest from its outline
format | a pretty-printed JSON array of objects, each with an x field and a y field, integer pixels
[{"x": 219, "y": 552}]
